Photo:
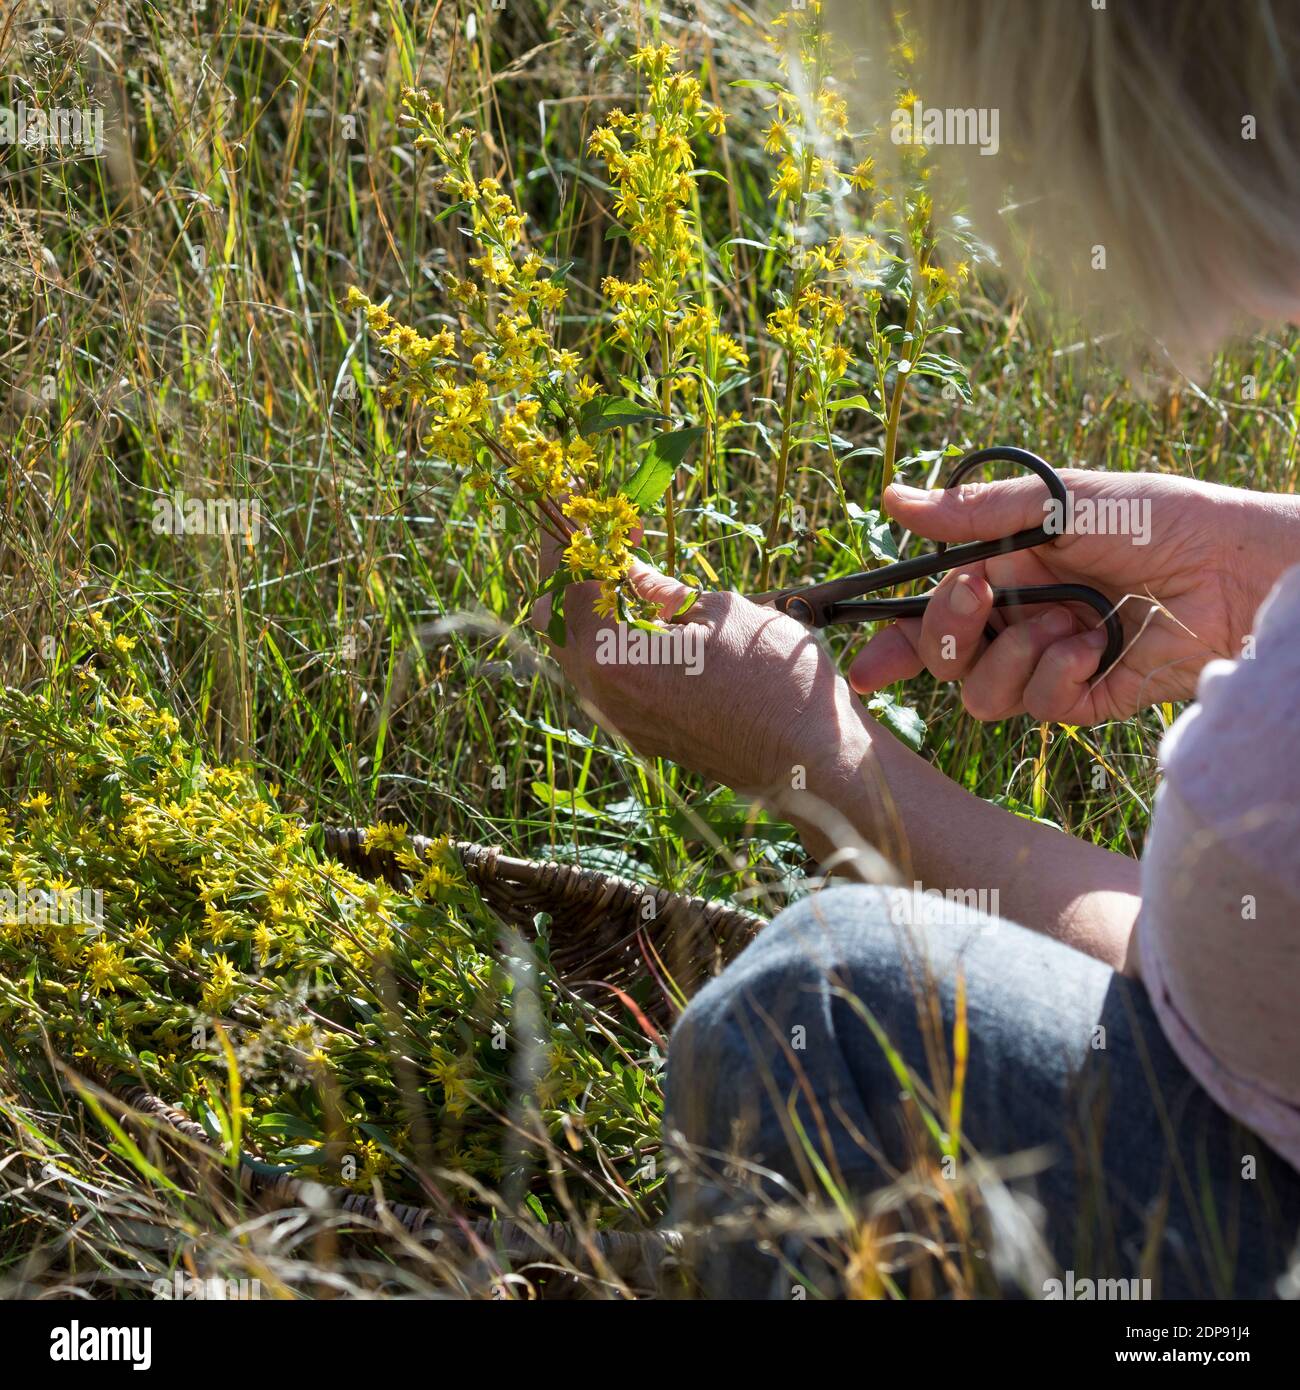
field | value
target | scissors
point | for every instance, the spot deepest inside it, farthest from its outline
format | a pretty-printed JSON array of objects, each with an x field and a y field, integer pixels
[{"x": 841, "y": 600}]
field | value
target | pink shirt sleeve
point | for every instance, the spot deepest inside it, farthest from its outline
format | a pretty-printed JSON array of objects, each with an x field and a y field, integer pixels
[{"x": 1219, "y": 929}]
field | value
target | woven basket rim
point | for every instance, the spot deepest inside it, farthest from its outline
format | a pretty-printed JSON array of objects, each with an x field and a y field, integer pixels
[{"x": 491, "y": 863}]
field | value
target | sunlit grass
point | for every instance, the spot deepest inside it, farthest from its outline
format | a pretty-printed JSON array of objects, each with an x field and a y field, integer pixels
[{"x": 177, "y": 324}]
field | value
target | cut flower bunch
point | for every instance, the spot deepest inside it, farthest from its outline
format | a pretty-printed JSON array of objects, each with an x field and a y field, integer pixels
[
  {"x": 519, "y": 420},
  {"x": 689, "y": 384}
]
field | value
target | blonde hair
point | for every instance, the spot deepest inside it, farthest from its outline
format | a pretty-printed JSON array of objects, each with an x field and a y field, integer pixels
[{"x": 1148, "y": 146}]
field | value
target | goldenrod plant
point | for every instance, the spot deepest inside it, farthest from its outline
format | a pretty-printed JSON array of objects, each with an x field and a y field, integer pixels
[
  {"x": 168, "y": 923},
  {"x": 500, "y": 395}
]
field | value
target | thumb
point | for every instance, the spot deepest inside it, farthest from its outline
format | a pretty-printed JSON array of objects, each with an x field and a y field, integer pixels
[
  {"x": 974, "y": 512},
  {"x": 656, "y": 587}
]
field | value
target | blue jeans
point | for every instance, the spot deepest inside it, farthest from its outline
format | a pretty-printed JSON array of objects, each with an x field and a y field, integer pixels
[{"x": 799, "y": 1083}]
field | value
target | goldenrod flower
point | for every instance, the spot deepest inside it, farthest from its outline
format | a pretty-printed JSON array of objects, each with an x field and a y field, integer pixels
[
  {"x": 788, "y": 182},
  {"x": 106, "y": 969},
  {"x": 384, "y": 836},
  {"x": 221, "y": 986}
]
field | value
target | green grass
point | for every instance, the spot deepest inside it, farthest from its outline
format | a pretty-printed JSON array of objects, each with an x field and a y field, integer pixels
[{"x": 175, "y": 322}]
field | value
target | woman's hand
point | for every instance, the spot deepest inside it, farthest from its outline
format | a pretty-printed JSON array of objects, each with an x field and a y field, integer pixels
[
  {"x": 746, "y": 696},
  {"x": 768, "y": 714},
  {"x": 1196, "y": 562}
]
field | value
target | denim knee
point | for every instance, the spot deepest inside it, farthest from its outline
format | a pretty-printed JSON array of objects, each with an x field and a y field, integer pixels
[
  {"x": 767, "y": 1038},
  {"x": 794, "y": 959},
  {"x": 773, "y": 1019}
]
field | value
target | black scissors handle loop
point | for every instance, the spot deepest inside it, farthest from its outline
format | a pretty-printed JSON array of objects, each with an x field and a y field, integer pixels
[
  {"x": 841, "y": 600},
  {"x": 1009, "y": 453}
]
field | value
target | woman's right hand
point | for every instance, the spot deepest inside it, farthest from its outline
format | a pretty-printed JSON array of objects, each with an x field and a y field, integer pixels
[{"x": 1186, "y": 592}]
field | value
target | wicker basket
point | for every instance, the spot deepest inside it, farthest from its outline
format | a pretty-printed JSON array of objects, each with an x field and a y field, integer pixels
[{"x": 604, "y": 930}]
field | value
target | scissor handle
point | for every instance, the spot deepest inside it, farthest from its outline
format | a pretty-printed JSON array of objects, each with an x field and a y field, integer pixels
[
  {"x": 889, "y": 609},
  {"x": 840, "y": 600}
]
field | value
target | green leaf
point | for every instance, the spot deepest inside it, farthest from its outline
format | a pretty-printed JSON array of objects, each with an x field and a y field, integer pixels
[
  {"x": 726, "y": 257},
  {"x": 301, "y": 1155},
  {"x": 1018, "y": 808},
  {"x": 902, "y": 720},
  {"x": 877, "y": 536},
  {"x": 454, "y": 209},
  {"x": 603, "y": 413},
  {"x": 750, "y": 529},
  {"x": 571, "y": 737},
  {"x": 664, "y": 454},
  {"x": 947, "y": 369},
  {"x": 292, "y": 1126},
  {"x": 559, "y": 579},
  {"x": 556, "y": 628},
  {"x": 897, "y": 278},
  {"x": 559, "y": 800},
  {"x": 689, "y": 602}
]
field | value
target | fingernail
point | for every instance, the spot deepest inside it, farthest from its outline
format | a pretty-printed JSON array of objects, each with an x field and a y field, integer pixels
[
  {"x": 964, "y": 599},
  {"x": 1095, "y": 638},
  {"x": 1056, "y": 622},
  {"x": 906, "y": 493}
]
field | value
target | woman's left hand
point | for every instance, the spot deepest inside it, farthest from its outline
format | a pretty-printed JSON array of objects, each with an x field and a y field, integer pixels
[{"x": 747, "y": 696}]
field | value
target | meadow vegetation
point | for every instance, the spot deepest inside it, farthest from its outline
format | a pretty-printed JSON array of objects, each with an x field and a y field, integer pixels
[{"x": 419, "y": 283}]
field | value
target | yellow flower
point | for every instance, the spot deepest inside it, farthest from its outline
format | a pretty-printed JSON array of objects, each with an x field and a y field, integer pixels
[
  {"x": 106, "y": 968},
  {"x": 788, "y": 182},
  {"x": 221, "y": 986},
  {"x": 218, "y": 926},
  {"x": 837, "y": 362},
  {"x": 442, "y": 875},
  {"x": 606, "y": 603},
  {"x": 384, "y": 836},
  {"x": 860, "y": 177},
  {"x": 605, "y": 143}
]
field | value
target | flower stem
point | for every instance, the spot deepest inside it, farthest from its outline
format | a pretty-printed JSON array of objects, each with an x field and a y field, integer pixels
[
  {"x": 666, "y": 406},
  {"x": 912, "y": 352},
  {"x": 782, "y": 467}
]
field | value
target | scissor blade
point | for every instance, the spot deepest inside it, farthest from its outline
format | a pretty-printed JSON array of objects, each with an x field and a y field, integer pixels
[{"x": 768, "y": 598}]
